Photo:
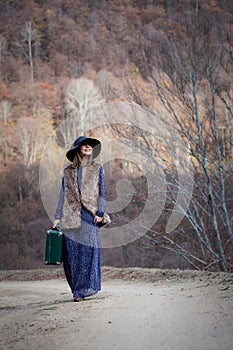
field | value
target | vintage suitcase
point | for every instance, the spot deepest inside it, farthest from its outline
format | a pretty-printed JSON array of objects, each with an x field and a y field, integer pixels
[{"x": 53, "y": 247}]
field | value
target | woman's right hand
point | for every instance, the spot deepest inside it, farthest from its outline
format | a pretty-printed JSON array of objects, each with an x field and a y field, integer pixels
[{"x": 56, "y": 222}]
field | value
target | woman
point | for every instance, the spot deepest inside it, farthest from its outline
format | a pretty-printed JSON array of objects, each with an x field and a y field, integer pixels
[{"x": 80, "y": 210}]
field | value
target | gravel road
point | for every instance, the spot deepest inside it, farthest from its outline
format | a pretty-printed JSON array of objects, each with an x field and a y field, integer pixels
[{"x": 171, "y": 315}]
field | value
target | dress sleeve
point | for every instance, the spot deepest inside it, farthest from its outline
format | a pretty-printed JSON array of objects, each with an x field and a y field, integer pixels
[
  {"x": 58, "y": 211},
  {"x": 102, "y": 194}
]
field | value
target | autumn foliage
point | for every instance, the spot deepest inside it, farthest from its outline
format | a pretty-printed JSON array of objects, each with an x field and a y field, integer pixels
[{"x": 46, "y": 46}]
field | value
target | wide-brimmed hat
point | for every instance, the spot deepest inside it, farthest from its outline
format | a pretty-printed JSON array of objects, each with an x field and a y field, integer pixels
[{"x": 94, "y": 143}]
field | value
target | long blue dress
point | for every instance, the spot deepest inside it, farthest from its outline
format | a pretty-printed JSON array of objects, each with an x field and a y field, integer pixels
[{"x": 82, "y": 258}]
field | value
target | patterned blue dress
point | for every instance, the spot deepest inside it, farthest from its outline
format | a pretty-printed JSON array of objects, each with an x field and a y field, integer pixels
[{"x": 82, "y": 258}]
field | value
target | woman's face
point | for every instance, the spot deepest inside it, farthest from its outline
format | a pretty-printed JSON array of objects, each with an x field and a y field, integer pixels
[{"x": 86, "y": 150}]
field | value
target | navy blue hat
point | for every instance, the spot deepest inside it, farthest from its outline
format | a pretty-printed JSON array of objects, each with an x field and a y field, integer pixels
[{"x": 94, "y": 143}]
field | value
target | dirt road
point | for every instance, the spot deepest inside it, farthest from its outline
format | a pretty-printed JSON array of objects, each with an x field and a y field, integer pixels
[{"x": 169, "y": 315}]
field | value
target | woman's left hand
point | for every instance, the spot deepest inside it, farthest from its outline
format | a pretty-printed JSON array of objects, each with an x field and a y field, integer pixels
[{"x": 97, "y": 219}]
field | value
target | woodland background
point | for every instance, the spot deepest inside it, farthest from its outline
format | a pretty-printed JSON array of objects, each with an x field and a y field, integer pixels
[{"x": 174, "y": 60}]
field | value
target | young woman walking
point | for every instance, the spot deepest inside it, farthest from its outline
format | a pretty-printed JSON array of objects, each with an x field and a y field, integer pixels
[{"x": 80, "y": 211}]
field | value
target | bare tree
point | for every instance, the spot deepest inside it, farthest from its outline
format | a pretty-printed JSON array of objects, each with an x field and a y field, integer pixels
[
  {"x": 183, "y": 70},
  {"x": 105, "y": 82},
  {"x": 82, "y": 98},
  {"x": 31, "y": 37},
  {"x": 5, "y": 110},
  {"x": 30, "y": 141},
  {"x": 2, "y": 47}
]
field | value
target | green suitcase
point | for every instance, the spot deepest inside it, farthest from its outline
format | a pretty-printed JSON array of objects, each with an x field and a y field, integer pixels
[{"x": 53, "y": 247}]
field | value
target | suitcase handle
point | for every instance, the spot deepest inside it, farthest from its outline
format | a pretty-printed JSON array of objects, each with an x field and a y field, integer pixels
[{"x": 56, "y": 228}]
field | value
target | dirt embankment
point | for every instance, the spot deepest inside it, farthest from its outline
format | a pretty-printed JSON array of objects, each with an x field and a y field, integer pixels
[{"x": 152, "y": 275}]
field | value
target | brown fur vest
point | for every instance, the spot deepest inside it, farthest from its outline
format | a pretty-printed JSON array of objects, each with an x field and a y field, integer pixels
[{"x": 89, "y": 194}]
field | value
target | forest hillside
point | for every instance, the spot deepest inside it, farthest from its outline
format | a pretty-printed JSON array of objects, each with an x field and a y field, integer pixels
[{"x": 153, "y": 80}]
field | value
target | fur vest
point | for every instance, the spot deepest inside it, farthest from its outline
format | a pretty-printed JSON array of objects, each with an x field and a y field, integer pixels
[{"x": 88, "y": 196}]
